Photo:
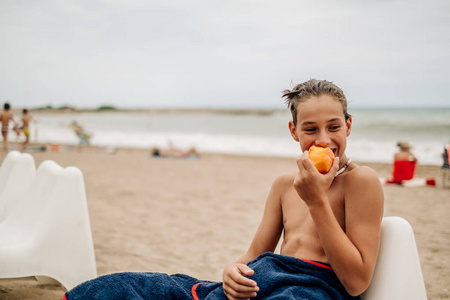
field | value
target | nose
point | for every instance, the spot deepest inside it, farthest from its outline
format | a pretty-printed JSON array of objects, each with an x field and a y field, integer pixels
[{"x": 323, "y": 140}]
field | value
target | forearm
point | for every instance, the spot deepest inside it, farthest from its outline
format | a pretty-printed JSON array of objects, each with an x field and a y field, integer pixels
[{"x": 344, "y": 257}]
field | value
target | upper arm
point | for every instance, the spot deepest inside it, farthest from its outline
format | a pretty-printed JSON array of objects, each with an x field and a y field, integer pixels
[
  {"x": 271, "y": 226},
  {"x": 364, "y": 202}
]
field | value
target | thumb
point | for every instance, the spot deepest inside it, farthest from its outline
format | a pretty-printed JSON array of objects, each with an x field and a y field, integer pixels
[
  {"x": 334, "y": 167},
  {"x": 245, "y": 270}
]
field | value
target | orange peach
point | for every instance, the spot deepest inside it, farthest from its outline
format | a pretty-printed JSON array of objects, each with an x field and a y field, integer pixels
[{"x": 322, "y": 158}]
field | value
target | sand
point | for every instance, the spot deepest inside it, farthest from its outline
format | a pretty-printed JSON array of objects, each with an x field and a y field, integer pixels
[{"x": 194, "y": 216}]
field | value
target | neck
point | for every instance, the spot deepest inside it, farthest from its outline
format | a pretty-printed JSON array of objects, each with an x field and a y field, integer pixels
[{"x": 344, "y": 167}]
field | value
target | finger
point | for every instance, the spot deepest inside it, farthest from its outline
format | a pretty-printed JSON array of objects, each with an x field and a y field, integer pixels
[
  {"x": 334, "y": 167},
  {"x": 244, "y": 284},
  {"x": 300, "y": 162},
  {"x": 245, "y": 270},
  {"x": 235, "y": 282},
  {"x": 237, "y": 276},
  {"x": 240, "y": 276},
  {"x": 332, "y": 173},
  {"x": 306, "y": 162},
  {"x": 239, "y": 291},
  {"x": 241, "y": 288},
  {"x": 232, "y": 295}
]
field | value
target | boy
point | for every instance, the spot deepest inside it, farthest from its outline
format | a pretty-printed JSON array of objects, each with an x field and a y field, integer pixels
[
  {"x": 5, "y": 117},
  {"x": 330, "y": 219},
  {"x": 26, "y": 119},
  {"x": 331, "y": 224}
]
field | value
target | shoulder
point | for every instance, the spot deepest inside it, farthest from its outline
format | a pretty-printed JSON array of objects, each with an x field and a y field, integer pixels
[
  {"x": 283, "y": 183},
  {"x": 363, "y": 183},
  {"x": 361, "y": 174},
  {"x": 286, "y": 179}
]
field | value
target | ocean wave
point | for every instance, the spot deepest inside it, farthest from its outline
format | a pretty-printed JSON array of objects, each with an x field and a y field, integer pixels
[{"x": 265, "y": 135}]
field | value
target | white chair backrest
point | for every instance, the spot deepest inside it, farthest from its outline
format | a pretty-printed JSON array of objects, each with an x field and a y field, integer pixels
[
  {"x": 6, "y": 166},
  {"x": 48, "y": 233},
  {"x": 398, "y": 274},
  {"x": 29, "y": 209},
  {"x": 17, "y": 173}
]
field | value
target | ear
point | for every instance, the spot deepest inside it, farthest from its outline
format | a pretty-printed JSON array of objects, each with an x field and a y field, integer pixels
[
  {"x": 293, "y": 131},
  {"x": 349, "y": 125}
]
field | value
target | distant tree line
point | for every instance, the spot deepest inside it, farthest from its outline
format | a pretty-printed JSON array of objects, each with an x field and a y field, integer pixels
[{"x": 71, "y": 108}]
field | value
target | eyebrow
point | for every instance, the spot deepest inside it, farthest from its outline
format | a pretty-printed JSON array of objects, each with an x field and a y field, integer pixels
[
  {"x": 334, "y": 120},
  {"x": 312, "y": 122}
]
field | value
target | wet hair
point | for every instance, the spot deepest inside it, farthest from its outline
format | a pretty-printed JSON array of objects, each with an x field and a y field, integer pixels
[
  {"x": 313, "y": 87},
  {"x": 24, "y": 111},
  {"x": 6, "y": 106}
]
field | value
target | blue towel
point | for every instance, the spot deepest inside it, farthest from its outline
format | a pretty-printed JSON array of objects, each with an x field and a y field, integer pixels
[{"x": 277, "y": 276}]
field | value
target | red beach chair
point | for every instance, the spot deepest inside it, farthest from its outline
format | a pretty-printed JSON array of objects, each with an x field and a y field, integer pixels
[{"x": 403, "y": 170}]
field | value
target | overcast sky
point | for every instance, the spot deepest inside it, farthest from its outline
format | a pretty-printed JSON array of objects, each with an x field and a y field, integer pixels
[{"x": 222, "y": 53}]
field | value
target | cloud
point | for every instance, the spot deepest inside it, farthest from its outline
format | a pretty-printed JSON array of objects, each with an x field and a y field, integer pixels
[{"x": 221, "y": 53}]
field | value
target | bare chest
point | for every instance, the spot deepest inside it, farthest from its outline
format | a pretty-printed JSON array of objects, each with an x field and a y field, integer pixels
[{"x": 300, "y": 235}]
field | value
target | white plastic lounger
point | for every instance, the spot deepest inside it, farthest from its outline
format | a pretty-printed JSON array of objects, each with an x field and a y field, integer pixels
[
  {"x": 16, "y": 174},
  {"x": 48, "y": 233},
  {"x": 398, "y": 274},
  {"x": 6, "y": 166}
]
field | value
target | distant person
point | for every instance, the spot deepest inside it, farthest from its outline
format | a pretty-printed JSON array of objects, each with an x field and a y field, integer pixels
[
  {"x": 404, "y": 152},
  {"x": 444, "y": 171},
  {"x": 5, "y": 117},
  {"x": 446, "y": 157},
  {"x": 26, "y": 119},
  {"x": 172, "y": 152},
  {"x": 404, "y": 163},
  {"x": 81, "y": 134}
]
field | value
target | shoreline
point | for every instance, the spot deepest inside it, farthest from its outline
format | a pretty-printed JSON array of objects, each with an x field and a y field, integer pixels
[{"x": 34, "y": 147}]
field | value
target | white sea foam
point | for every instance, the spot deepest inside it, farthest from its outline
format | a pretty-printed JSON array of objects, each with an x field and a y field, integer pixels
[{"x": 371, "y": 139}]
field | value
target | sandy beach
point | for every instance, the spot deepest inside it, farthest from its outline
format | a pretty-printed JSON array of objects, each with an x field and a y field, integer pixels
[{"x": 194, "y": 216}]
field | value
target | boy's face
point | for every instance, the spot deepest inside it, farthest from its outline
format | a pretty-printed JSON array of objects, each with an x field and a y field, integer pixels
[{"x": 321, "y": 122}]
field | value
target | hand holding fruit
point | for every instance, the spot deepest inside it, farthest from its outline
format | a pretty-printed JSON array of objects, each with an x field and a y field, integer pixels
[{"x": 311, "y": 186}]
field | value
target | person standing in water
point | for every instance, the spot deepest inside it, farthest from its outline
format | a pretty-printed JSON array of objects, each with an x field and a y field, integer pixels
[
  {"x": 5, "y": 117},
  {"x": 26, "y": 119}
]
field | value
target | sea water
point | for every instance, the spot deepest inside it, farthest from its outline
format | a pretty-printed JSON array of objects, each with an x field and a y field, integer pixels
[{"x": 374, "y": 135}]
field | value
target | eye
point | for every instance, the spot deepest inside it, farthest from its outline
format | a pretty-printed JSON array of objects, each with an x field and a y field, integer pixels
[
  {"x": 309, "y": 129},
  {"x": 334, "y": 127}
]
